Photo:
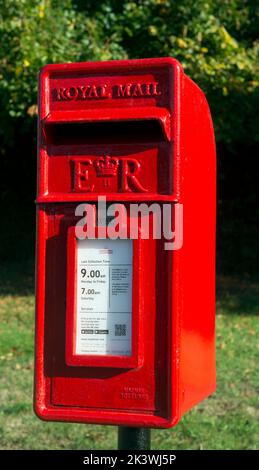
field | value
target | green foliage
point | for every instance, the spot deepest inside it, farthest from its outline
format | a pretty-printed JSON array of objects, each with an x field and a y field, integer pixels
[
  {"x": 36, "y": 32},
  {"x": 211, "y": 40},
  {"x": 215, "y": 40}
]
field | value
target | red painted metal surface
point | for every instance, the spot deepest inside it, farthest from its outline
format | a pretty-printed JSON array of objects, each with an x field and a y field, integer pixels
[{"x": 155, "y": 124}]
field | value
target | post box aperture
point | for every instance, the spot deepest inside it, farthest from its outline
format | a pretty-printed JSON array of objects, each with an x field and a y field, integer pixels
[{"x": 125, "y": 312}]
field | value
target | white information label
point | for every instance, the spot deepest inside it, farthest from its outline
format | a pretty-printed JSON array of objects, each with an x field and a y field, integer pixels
[{"x": 104, "y": 297}]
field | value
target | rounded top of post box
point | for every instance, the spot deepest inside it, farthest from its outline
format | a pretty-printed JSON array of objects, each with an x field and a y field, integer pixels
[{"x": 112, "y": 65}]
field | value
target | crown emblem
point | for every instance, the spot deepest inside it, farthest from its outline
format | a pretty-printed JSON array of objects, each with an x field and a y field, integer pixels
[{"x": 106, "y": 166}]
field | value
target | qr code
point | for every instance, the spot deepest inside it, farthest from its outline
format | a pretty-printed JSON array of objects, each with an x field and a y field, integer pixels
[{"x": 120, "y": 330}]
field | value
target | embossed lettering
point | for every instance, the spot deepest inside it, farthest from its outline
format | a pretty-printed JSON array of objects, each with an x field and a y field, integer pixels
[
  {"x": 155, "y": 90},
  {"x": 125, "y": 170},
  {"x": 124, "y": 90},
  {"x": 137, "y": 90},
  {"x": 129, "y": 169},
  {"x": 134, "y": 393},
  {"x": 93, "y": 92},
  {"x": 96, "y": 91},
  {"x": 105, "y": 91},
  {"x": 72, "y": 93},
  {"x": 148, "y": 89},
  {"x": 61, "y": 94},
  {"x": 81, "y": 174},
  {"x": 84, "y": 90}
]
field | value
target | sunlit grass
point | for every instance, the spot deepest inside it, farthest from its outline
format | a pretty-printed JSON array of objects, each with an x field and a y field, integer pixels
[{"x": 226, "y": 420}]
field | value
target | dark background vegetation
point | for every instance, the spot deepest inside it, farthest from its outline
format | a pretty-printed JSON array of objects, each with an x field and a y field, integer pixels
[{"x": 216, "y": 42}]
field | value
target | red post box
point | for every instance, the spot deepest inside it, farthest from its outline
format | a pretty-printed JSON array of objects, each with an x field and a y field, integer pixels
[{"x": 124, "y": 324}]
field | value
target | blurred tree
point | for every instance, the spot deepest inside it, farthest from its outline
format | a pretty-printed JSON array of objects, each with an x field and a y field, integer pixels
[
  {"x": 36, "y": 32},
  {"x": 215, "y": 40}
]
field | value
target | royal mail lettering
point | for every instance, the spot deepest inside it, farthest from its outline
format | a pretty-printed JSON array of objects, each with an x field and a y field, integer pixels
[{"x": 106, "y": 91}]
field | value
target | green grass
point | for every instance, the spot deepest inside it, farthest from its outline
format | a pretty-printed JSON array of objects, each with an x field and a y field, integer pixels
[{"x": 226, "y": 420}]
